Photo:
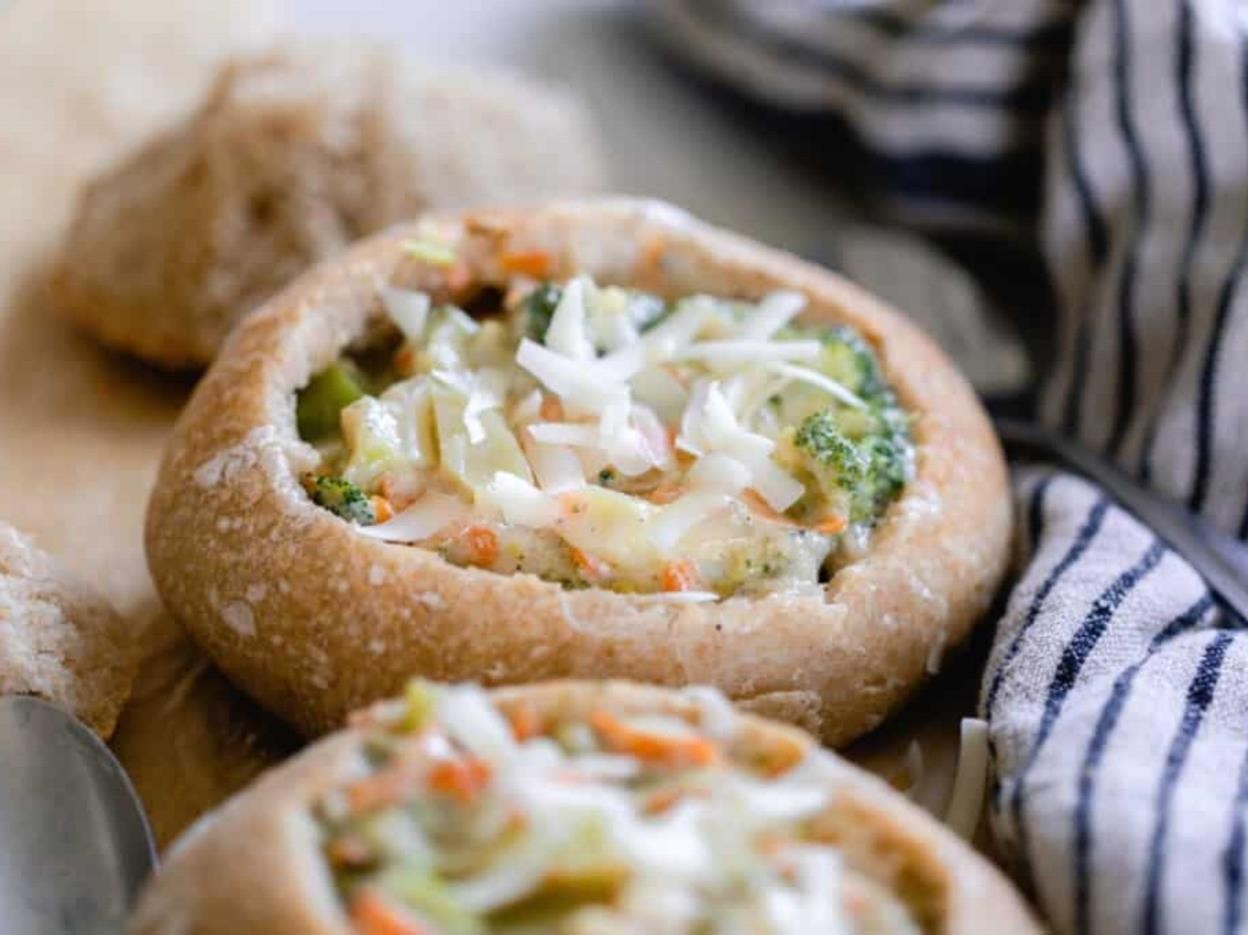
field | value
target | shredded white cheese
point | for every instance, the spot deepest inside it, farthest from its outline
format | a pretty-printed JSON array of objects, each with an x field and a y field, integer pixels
[
  {"x": 556, "y": 467},
  {"x": 566, "y": 334},
  {"x": 711, "y": 425},
  {"x": 407, "y": 309},
  {"x": 775, "y": 311},
  {"x": 966, "y": 801},
  {"x": 729, "y": 354},
  {"x": 432, "y": 512},
  {"x": 819, "y": 380},
  {"x": 578, "y": 383},
  {"x": 565, "y": 433},
  {"x": 680, "y": 516},
  {"x": 520, "y": 502},
  {"x": 590, "y": 453}
]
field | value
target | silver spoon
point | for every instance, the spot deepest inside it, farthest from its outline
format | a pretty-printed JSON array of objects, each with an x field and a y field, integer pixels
[
  {"x": 74, "y": 843},
  {"x": 1220, "y": 560}
]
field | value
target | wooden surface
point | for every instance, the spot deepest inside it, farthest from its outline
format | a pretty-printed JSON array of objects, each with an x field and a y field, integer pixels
[{"x": 82, "y": 429}]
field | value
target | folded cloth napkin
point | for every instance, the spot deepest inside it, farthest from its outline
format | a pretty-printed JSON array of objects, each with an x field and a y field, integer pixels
[{"x": 1110, "y": 139}]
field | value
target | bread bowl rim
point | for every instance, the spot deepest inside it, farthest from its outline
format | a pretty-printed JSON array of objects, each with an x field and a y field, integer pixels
[
  {"x": 268, "y": 832},
  {"x": 315, "y": 620}
]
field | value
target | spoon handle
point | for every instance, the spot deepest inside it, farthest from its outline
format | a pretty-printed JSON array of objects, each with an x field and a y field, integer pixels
[
  {"x": 74, "y": 844},
  {"x": 1220, "y": 560}
]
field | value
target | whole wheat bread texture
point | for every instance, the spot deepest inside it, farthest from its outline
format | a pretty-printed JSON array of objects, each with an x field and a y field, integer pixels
[
  {"x": 293, "y": 154},
  {"x": 59, "y": 639}
]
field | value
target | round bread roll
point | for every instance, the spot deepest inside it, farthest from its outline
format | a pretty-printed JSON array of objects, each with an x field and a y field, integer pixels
[
  {"x": 59, "y": 639},
  {"x": 338, "y": 839},
  {"x": 314, "y": 618},
  {"x": 292, "y": 155}
]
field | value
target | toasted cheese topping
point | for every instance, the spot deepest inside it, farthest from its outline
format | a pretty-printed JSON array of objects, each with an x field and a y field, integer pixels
[
  {"x": 463, "y": 820},
  {"x": 603, "y": 437}
]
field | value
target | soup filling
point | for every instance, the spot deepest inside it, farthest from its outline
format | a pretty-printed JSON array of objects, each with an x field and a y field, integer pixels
[
  {"x": 600, "y": 436},
  {"x": 465, "y": 819}
]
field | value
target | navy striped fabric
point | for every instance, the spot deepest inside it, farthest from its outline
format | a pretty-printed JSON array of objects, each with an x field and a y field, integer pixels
[{"x": 1109, "y": 139}]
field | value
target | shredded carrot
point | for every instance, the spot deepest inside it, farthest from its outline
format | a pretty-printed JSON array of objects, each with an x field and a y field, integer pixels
[
  {"x": 679, "y": 575},
  {"x": 673, "y": 752},
  {"x": 769, "y": 845},
  {"x": 525, "y": 724},
  {"x": 405, "y": 360},
  {"x": 831, "y": 525},
  {"x": 652, "y": 252},
  {"x": 463, "y": 780},
  {"x": 592, "y": 567},
  {"x": 551, "y": 409},
  {"x": 535, "y": 263},
  {"x": 382, "y": 788},
  {"x": 856, "y": 903},
  {"x": 381, "y": 508},
  {"x": 660, "y": 800},
  {"x": 571, "y": 503},
  {"x": 482, "y": 545},
  {"x": 665, "y": 493},
  {"x": 399, "y": 499},
  {"x": 373, "y": 914}
]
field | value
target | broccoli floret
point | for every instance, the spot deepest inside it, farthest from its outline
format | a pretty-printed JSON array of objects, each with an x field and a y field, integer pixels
[
  {"x": 853, "y": 459},
  {"x": 850, "y": 360},
  {"x": 343, "y": 498},
  {"x": 890, "y": 456},
  {"x": 858, "y": 474},
  {"x": 822, "y": 439},
  {"x": 538, "y": 308}
]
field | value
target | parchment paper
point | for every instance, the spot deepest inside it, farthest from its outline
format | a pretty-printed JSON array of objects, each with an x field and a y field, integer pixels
[{"x": 81, "y": 429}]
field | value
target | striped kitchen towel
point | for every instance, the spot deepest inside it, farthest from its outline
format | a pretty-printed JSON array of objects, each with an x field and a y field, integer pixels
[{"x": 1109, "y": 140}]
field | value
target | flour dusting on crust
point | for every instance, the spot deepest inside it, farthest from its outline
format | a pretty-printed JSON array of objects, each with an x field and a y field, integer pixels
[
  {"x": 239, "y": 618},
  {"x": 228, "y": 464}
]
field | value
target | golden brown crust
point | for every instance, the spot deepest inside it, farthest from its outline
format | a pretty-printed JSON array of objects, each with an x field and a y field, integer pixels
[
  {"x": 254, "y": 864},
  {"x": 59, "y": 639},
  {"x": 314, "y": 619},
  {"x": 293, "y": 154}
]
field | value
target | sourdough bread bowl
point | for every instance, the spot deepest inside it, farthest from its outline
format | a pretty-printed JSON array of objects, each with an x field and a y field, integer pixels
[
  {"x": 314, "y": 617},
  {"x": 629, "y": 809}
]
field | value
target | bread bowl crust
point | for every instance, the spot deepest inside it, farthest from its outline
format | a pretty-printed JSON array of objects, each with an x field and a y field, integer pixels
[
  {"x": 254, "y": 864},
  {"x": 293, "y": 152},
  {"x": 315, "y": 620},
  {"x": 59, "y": 639}
]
